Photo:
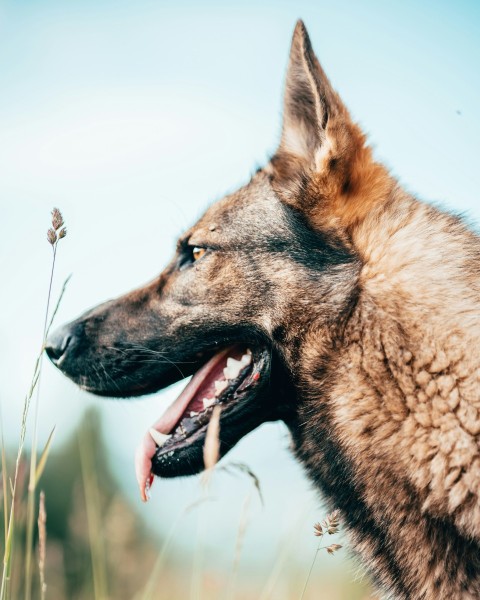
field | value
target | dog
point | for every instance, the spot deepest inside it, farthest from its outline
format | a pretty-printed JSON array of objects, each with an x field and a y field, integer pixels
[{"x": 324, "y": 295}]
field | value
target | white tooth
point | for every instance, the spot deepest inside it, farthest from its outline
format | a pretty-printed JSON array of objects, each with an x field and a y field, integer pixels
[
  {"x": 148, "y": 493},
  {"x": 249, "y": 351},
  {"x": 233, "y": 368},
  {"x": 246, "y": 359},
  {"x": 159, "y": 438},
  {"x": 193, "y": 413},
  {"x": 207, "y": 402},
  {"x": 220, "y": 386}
]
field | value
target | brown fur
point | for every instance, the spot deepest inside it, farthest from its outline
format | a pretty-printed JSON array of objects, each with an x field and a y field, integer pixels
[
  {"x": 370, "y": 302},
  {"x": 402, "y": 392}
]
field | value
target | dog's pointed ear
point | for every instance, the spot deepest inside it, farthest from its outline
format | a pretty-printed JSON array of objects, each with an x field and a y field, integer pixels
[
  {"x": 323, "y": 166},
  {"x": 309, "y": 99}
]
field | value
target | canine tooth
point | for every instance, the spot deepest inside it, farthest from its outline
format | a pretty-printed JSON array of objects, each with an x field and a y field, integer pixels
[
  {"x": 207, "y": 402},
  {"x": 159, "y": 438},
  {"x": 193, "y": 413},
  {"x": 220, "y": 386},
  {"x": 148, "y": 493}
]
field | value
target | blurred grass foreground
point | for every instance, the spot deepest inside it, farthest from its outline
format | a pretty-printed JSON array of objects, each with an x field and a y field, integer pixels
[{"x": 98, "y": 548}]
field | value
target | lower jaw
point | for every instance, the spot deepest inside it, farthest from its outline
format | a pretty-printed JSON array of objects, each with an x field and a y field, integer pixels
[
  {"x": 189, "y": 459},
  {"x": 245, "y": 411}
]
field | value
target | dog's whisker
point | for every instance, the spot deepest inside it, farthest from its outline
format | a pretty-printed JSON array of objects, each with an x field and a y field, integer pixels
[{"x": 108, "y": 376}]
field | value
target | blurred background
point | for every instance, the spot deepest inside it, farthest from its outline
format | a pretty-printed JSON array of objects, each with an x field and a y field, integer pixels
[{"x": 132, "y": 117}]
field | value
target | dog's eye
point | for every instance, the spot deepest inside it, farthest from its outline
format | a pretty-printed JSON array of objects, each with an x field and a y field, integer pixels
[
  {"x": 198, "y": 252},
  {"x": 190, "y": 254}
]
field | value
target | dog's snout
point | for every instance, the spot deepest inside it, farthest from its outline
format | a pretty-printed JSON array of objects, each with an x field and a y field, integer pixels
[{"x": 59, "y": 343}]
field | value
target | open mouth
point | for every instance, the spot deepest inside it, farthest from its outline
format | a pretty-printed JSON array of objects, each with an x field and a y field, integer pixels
[{"x": 231, "y": 379}]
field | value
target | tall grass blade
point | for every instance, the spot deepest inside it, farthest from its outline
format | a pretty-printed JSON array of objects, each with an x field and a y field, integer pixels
[
  {"x": 7, "y": 552},
  {"x": 33, "y": 451},
  {"x": 42, "y": 544},
  {"x": 305, "y": 585},
  {"x": 282, "y": 557},
  {"x": 242, "y": 528},
  {"x": 57, "y": 305},
  {"x": 43, "y": 458},
  {"x": 244, "y": 468},
  {"x": 149, "y": 591},
  {"x": 94, "y": 514},
  {"x": 4, "y": 481},
  {"x": 54, "y": 235}
]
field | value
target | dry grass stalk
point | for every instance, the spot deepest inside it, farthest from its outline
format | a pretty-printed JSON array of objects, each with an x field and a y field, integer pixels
[
  {"x": 150, "y": 591},
  {"x": 211, "y": 449},
  {"x": 242, "y": 529},
  {"x": 284, "y": 555},
  {"x": 54, "y": 235},
  {"x": 333, "y": 548},
  {"x": 239, "y": 467},
  {"x": 42, "y": 544},
  {"x": 4, "y": 482},
  {"x": 329, "y": 526},
  {"x": 211, "y": 455},
  {"x": 93, "y": 506}
]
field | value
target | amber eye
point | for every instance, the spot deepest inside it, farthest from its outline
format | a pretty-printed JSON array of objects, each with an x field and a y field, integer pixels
[{"x": 198, "y": 252}]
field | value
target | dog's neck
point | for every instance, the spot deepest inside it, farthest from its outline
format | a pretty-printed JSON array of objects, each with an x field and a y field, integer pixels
[{"x": 386, "y": 424}]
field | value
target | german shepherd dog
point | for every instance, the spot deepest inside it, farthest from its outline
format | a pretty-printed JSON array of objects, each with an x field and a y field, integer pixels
[{"x": 323, "y": 295}]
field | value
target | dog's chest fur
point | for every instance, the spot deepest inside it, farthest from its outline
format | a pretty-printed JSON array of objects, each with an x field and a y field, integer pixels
[{"x": 389, "y": 420}]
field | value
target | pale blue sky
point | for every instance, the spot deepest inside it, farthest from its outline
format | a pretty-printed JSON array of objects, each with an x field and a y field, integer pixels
[{"x": 133, "y": 116}]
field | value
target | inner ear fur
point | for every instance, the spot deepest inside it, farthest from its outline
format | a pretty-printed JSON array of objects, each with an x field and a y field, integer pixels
[{"x": 323, "y": 166}]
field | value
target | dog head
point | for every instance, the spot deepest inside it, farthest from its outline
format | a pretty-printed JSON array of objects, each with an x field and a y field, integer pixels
[{"x": 264, "y": 269}]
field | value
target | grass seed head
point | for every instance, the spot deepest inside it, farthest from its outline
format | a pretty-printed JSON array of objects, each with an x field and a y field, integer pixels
[
  {"x": 333, "y": 548},
  {"x": 57, "y": 230},
  {"x": 57, "y": 219},
  {"x": 333, "y": 522},
  {"x": 51, "y": 236}
]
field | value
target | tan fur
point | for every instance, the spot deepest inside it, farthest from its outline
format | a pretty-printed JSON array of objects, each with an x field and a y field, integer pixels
[
  {"x": 426, "y": 325},
  {"x": 403, "y": 392}
]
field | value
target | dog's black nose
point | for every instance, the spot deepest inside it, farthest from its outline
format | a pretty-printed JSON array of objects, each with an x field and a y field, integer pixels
[{"x": 58, "y": 343}]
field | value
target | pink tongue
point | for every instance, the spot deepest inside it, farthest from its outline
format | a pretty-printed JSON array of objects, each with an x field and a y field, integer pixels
[{"x": 146, "y": 450}]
